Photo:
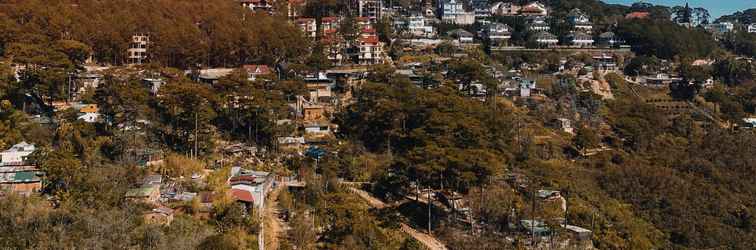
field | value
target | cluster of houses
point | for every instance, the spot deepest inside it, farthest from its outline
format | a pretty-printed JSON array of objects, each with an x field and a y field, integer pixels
[{"x": 17, "y": 175}]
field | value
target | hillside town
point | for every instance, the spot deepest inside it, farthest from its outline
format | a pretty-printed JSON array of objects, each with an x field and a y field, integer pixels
[{"x": 372, "y": 124}]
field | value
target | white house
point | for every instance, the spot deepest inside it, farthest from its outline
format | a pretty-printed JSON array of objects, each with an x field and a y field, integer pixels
[
  {"x": 526, "y": 86},
  {"x": 544, "y": 38},
  {"x": 579, "y": 21},
  {"x": 417, "y": 26},
  {"x": 752, "y": 28},
  {"x": 137, "y": 51},
  {"x": 453, "y": 11},
  {"x": 720, "y": 28},
  {"x": 89, "y": 117},
  {"x": 498, "y": 33},
  {"x": 580, "y": 39},
  {"x": 307, "y": 25},
  {"x": 17, "y": 154},
  {"x": 250, "y": 187}
]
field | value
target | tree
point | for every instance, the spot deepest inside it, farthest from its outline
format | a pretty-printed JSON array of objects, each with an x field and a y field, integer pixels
[{"x": 586, "y": 138}]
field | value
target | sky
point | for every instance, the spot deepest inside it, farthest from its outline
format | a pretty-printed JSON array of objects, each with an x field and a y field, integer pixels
[{"x": 716, "y": 8}]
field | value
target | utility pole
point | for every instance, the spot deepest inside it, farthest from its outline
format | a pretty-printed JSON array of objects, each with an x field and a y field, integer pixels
[
  {"x": 196, "y": 135},
  {"x": 429, "y": 210},
  {"x": 533, "y": 221}
]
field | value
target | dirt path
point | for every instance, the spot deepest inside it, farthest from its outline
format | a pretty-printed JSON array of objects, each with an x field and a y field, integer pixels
[
  {"x": 428, "y": 240},
  {"x": 274, "y": 227}
]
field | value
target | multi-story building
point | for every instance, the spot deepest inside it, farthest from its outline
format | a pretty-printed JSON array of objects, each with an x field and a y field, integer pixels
[
  {"x": 545, "y": 39},
  {"x": 17, "y": 154},
  {"x": 498, "y": 34},
  {"x": 330, "y": 23},
  {"x": 417, "y": 27},
  {"x": 579, "y": 21},
  {"x": 333, "y": 46},
  {"x": 372, "y": 9},
  {"x": 308, "y": 26},
  {"x": 580, "y": 39},
  {"x": 453, "y": 11},
  {"x": 370, "y": 49},
  {"x": 752, "y": 28},
  {"x": 138, "y": 48}
]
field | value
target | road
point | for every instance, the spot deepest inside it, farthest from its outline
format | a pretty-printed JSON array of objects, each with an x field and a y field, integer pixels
[
  {"x": 428, "y": 240},
  {"x": 273, "y": 226}
]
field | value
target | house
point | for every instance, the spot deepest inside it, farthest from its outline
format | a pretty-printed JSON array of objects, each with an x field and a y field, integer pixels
[
  {"x": 565, "y": 125},
  {"x": 498, "y": 34},
  {"x": 89, "y": 108},
  {"x": 537, "y": 23},
  {"x": 579, "y": 21},
  {"x": 319, "y": 88},
  {"x": 578, "y": 233},
  {"x": 370, "y": 9},
  {"x": 751, "y": 28},
  {"x": 748, "y": 123},
  {"x": 313, "y": 113},
  {"x": 548, "y": 194},
  {"x": 257, "y": 5},
  {"x": 481, "y": 9},
  {"x": 535, "y": 227},
  {"x": 250, "y": 187},
  {"x": 461, "y": 35},
  {"x": 290, "y": 143},
  {"x": 504, "y": 9},
  {"x": 160, "y": 215},
  {"x": 533, "y": 9},
  {"x": 545, "y": 39},
  {"x": 604, "y": 62},
  {"x": 138, "y": 48},
  {"x": 17, "y": 154},
  {"x": 417, "y": 26},
  {"x": 307, "y": 25},
  {"x": 330, "y": 23},
  {"x": 333, "y": 46},
  {"x": 294, "y": 8},
  {"x": 317, "y": 128},
  {"x": 720, "y": 28},
  {"x": 580, "y": 39},
  {"x": 637, "y": 15},
  {"x": 145, "y": 194},
  {"x": 370, "y": 50},
  {"x": 153, "y": 84},
  {"x": 20, "y": 180},
  {"x": 526, "y": 87},
  {"x": 89, "y": 117},
  {"x": 453, "y": 11},
  {"x": 87, "y": 81},
  {"x": 211, "y": 76},
  {"x": 609, "y": 40},
  {"x": 257, "y": 70}
]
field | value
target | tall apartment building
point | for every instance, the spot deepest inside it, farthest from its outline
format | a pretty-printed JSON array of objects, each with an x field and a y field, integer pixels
[
  {"x": 137, "y": 51},
  {"x": 372, "y": 9}
]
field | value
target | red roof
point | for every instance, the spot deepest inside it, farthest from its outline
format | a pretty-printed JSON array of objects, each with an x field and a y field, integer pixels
[
  {"x": 257, "y": 69},
  {"x": 363, "y": 18},
  {"x": 637, "y": 15},
  {"x": 368, "y": 30},
  {"x": 304, "y": 19},
  {"x": 242, "y": 195},
  {"x": 242, "y": 178},
  {"x": 329, "y": 19},
  {"x": 249, "y": 1},
  {"x": 369, "y": 39}
]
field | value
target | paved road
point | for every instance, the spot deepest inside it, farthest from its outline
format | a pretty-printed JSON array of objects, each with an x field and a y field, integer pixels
[{"x": 428, "y": 240}]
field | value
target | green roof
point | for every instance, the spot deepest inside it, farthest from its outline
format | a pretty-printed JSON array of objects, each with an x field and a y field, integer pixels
[{"x": 28, "y": 176}]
